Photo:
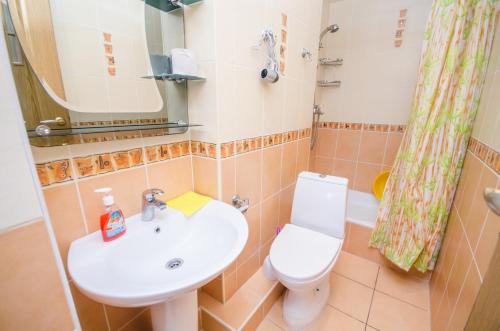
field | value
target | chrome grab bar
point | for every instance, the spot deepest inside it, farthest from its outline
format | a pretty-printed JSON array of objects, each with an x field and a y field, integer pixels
[{"x": 492, "y": 197}]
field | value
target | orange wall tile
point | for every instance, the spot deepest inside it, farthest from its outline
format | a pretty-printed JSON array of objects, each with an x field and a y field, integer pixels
[
  {"x": 174, "y": 176},
  {"x": 68, "y": 222},
  {"x": 469, "y": 241},
  {"x": 356, "y": 152},
  {"x": 127, "y": 188},
  {"x": 267, "y": 176},
  {"x": 228, "y": 179},
  {"x": 30, "y": 286},
  {"x": 271, "y": 175},
  {"x": 205, "y": 176},
  {"x": 74, "y": 209},
  {"x": 248, "y": 170}
]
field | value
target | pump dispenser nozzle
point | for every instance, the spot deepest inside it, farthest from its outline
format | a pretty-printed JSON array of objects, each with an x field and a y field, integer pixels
[{"x": 107, "y": 199}]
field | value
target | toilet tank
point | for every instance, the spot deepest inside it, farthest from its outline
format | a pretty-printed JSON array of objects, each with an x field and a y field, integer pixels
[{"x": 319, "y": 203}]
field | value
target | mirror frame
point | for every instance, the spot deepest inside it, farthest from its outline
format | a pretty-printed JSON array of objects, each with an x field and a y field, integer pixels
[{"x": 102, "y": 131}]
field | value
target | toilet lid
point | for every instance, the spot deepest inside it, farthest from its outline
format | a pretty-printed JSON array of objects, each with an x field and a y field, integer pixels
[{"x": 301, "y": 254}]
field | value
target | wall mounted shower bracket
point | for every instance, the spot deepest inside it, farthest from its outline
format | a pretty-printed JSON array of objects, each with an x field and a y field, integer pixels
[
  {"x": 306, "y": 54},
  {"x": 270, "y": 73}
]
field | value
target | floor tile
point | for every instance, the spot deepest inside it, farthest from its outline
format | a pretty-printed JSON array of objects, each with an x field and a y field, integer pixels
[
  {"x": 403, "y": 287},
  {"x": 389, "y": 314},
  {"x": 276, "y": 314},
  {"x": 332, "y": 319},
  {"x": 268, "y": 325},
  {"x": 350, "y": 297},
  {"x": 356, "y": 268},
  {"x": 235, "y": 311},
  {"x": 259, "y": 284}
]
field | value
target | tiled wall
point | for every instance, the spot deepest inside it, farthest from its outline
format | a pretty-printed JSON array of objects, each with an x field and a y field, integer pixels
[
  {"x": 378, "y": 78},
  {"x": 473, "y": 230},
  {"x": 488, "y": 117},
  {"x": 31, "y": 289},
  {"x": 243, "y": 118},
  {"x": 111, "y": 35},
  {"x": 74, "y": 208},
  {"x": 267, "y": 176},
  {"x": 356, "y": 151},
  {"x": 32, "y": 295},
  {"x": 234, "y": 103},
  {"x": 470, "y": 239}
]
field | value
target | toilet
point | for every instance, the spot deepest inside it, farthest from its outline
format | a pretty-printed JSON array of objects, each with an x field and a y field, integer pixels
[{"x": 305, "y": 251}]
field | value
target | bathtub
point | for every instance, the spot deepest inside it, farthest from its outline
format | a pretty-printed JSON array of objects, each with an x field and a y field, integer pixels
[{"x": 361, "y": 208}]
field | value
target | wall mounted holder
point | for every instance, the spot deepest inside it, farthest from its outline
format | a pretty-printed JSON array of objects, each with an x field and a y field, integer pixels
[
  {"x": 330, "y": 62},
  {"x": 162, "y": 70},
  {"x": 270, "y": 73},
  {"x": 306, "y": 54},
  {"x": 492, "y": 197},
  {"x": 171, "y": 5},
  {"x": 327, "y": 83}
]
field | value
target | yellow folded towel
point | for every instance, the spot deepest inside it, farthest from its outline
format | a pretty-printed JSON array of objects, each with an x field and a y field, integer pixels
[{"x": 189, "y": 203}]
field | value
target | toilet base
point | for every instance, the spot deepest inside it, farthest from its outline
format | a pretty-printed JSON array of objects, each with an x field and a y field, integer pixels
[{"x": 301, "y": 308}]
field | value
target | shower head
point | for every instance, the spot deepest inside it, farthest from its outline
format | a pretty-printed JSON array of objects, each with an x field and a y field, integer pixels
[{"x": 331, "y": 28}]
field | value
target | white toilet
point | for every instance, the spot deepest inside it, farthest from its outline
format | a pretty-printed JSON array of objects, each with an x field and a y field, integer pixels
[{"x": 305, "y": 251}]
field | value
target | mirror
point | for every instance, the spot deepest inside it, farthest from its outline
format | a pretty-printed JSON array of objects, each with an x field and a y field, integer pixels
[{"x": 90, "y": 67}]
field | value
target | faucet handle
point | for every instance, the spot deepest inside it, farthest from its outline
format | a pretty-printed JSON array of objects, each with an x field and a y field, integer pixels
[{"x": 149, "y": 195}]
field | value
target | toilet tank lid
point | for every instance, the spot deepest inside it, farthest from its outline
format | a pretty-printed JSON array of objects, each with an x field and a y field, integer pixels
[{"x": 324, "y": 178}]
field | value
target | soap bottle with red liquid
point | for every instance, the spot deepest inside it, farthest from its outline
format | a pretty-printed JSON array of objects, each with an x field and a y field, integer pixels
[{"x": 112, "y": 221}]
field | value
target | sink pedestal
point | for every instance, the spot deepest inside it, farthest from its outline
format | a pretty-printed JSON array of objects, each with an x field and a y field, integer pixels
[{"x": 179, "y": 313}]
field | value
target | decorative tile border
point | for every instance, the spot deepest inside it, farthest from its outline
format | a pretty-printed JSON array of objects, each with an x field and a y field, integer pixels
[
  {"x": 227, "y": 149},
  {"x": 97, "y": 164},
  {"x": 363, "y": 126},
  {"x": 283, "y": 32},
  {"x": 398, "y": 37},
  {"x": 167, "y": 151},
  {"x": 485, "y": 153},
  {"x": 200, "y": 148},
  {"x": 232, "y": 148},
  {"x": 272, "y": 139},
  {"x": 138, "y": 121},
  {"x": 54, "y": 172}
]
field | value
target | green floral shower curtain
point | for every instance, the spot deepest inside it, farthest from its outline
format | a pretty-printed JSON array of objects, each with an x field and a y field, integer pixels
[{"x": 414, "y": 209}]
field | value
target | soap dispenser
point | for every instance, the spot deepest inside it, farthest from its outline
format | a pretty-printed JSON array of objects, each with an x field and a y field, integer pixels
[{"x": 112, "y": 221}]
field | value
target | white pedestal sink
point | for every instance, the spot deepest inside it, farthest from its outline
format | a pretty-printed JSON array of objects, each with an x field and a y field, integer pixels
[{"x": 160, "y": 263}]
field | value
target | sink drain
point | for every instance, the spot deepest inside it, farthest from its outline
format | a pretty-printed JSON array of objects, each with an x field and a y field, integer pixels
[{"x": 174, "y": 263}]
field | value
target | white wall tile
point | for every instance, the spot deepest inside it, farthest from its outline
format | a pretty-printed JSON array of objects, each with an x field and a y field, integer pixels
[{"x": 378, "y": 79}]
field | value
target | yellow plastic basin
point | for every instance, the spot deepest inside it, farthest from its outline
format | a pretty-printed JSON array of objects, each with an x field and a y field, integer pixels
[{"x": 379, "y": 184}]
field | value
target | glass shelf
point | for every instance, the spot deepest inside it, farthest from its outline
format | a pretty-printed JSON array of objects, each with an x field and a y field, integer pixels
[
  {"x": 112, "y": 128},
  {"x": 167, "y": 6},
  {"x": 175, "y": 77}
]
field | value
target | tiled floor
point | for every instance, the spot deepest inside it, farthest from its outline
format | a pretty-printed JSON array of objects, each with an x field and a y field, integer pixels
[{"x": 366, "y": 296}]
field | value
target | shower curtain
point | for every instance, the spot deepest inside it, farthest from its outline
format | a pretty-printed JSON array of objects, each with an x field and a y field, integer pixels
[{"x": 414, "y": 209}]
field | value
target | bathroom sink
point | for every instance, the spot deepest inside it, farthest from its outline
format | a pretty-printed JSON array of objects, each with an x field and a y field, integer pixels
[{"x": 161, "y": 262}]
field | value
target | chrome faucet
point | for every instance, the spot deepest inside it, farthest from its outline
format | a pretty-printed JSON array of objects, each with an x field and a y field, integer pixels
[{"x": 149, "y": 203}]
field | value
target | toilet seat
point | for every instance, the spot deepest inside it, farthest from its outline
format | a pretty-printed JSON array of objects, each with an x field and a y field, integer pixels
[{"x": 300, "y": 254}]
